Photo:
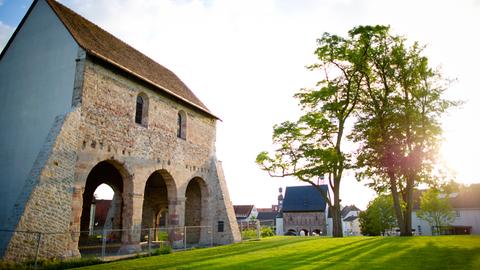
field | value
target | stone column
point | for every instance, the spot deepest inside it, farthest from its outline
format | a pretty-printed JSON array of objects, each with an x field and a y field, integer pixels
[
  {"x": 132, "y": 223},
  {"x": 176, "y": 221}
]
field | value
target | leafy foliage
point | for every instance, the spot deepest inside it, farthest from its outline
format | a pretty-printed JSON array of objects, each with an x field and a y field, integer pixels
[
  {"x": 435, "y": 209},
  {"x": 397, "y": 100},
  {"x": 379, "y": 216},
  {"x": 398, "y": 118},
  {"x": 310, "y": 147},
  {"x": 266, "y": 232}
]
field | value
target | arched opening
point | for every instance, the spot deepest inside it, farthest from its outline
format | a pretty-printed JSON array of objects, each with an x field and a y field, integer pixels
[
  {"x": 182, "y": 125},
  {"x": 196, "y": 199},
  {"x": 141, "y": 110},
  {"x": 291, "y": 232},
  {"x": 102, "y": 214},
  {"x": 159, "y": 189}
]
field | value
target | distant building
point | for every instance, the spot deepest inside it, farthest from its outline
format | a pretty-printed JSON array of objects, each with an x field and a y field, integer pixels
[
  {"x": 267, "y": 216},
  {"x": 465, "y": 203},
  {"x": 350, "y": 221},
  {"x": 303, "y": 211},
  {"x": 245, "y": 212}
]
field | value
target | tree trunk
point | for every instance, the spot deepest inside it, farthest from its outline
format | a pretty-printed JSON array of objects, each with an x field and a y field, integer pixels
[
  {"x": 409, "y": 207},
  {"x": 396, "y": 204},
  {"x": 337, "y": 221},
  {"x": 337, "y": 230}
]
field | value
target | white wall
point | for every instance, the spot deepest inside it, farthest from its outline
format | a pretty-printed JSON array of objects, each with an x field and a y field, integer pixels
[
  {"x": 279, "y": 226},
  {"x": 467, "y": 217},
  {"x": 36, "y": 84}
]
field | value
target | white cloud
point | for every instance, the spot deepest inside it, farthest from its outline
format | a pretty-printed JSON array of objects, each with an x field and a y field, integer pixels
[
  {"x": 245, "y": 59},
  {"x": 5, "y": 33}
]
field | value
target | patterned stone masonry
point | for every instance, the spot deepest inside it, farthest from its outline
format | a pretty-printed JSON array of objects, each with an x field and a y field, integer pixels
[
  {"x": 44, "y": 205},
  {"x": 309, "y": 221},
  {"x": 102, "y": 128}
]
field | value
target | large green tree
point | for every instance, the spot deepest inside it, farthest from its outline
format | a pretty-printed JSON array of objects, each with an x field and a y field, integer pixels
[
  {"x": 398, "y": 119},
  {"x": 379, "y": 216},
  {"x": 435, "y": 209},
  {"x": 311, "y": 147}
]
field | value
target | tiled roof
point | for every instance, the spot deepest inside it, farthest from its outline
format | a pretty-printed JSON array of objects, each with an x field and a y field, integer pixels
[
  {"x": 242, "y": 211},
  {"x": 267, "y": 215},
  {"x": 304, "y": 199},
  {"x": 350, "y": 218},
  {"x": 103, "y": 45},
  {"x": 466, "y": 198},
  {"x": 347, "y": 209}
]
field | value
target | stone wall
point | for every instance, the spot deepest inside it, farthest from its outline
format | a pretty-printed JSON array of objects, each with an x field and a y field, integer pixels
[
  {"x": 108, "y": 132},
  {"x": 309, "y": 221},
  {"x": 103, "y": 128}
]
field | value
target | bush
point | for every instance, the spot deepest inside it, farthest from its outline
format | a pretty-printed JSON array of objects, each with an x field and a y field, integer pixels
[
  {"x": 55, "y": 264},
  {"x": 249, "y": 234},
  {"x": 266, "y": 232},
  {"x": 162, "y": 250},
  {"x": 51, "y": 264},
  {"x": 10, "y": 266}
]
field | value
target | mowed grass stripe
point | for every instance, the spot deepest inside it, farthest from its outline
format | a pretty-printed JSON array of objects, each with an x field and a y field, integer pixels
[{"x": 441, "y": 252}]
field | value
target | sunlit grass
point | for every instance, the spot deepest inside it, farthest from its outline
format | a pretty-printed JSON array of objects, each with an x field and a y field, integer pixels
[{"x": 442, "y": 252}]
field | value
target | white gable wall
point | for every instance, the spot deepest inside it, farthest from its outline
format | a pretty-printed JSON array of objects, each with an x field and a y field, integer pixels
[{"x": 36, "y": 84}]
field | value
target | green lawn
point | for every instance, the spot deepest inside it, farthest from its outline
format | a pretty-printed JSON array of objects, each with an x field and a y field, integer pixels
[{"x": 441, "y": 252}]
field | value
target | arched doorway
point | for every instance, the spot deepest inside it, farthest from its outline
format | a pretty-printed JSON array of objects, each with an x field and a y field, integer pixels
[
  {"x": 291, "y": 232},
  {"x": 93, "y": 225},
  {"x": 159, "y": 189},
  {"x": 196, "y": 199}
]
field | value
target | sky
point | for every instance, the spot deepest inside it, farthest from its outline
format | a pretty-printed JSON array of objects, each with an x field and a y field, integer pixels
[{"x": 245, "y": 60}]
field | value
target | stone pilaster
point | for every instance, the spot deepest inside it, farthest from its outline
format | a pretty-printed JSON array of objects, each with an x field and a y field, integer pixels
[{"x": 132, "y": 222}]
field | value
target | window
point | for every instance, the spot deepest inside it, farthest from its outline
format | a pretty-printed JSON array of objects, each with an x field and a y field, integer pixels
[
  {"x": 221, "y": 226},
  {"x": 141, "y": 110},
  {"x": 182, "y": 125},
  {"x": 457, "y": 213}
]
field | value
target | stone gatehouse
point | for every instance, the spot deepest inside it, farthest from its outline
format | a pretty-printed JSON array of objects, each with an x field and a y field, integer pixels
[
  {"x": 80, "y": 108},
  {"x": 304, "y": 211}
]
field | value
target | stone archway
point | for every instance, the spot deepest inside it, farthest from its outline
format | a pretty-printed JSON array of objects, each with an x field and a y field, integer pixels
[
  {"x": 196, "y": 212},
  {"x": 105, "y": 172},
  {"x": 160, "y": 190}
]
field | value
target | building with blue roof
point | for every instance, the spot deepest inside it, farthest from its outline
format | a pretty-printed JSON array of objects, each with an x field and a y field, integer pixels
[{"x": 304, "y": 211}]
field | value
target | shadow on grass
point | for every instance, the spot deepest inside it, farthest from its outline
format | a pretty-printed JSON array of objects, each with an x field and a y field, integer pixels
[
  {"x": 206, "y": 255},
  {"x": 369, "y": 253},
  {"x": 317, "y": 253},
  {"x": 302, "y": 258},
  {"x": 432, "y": 256}
]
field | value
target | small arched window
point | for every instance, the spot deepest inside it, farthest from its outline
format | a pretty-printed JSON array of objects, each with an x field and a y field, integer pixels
[
  {"x": 182, "y": 125},
  {"x": 141, "y": 110}
]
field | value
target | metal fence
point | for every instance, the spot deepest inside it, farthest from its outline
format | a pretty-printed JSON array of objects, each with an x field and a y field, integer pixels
[{"x": 104, "y": 244}]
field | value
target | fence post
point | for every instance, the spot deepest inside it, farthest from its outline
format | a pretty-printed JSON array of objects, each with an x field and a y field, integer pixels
[
  {"x": 39, "y": 239},
  {"x": 104, "y": 243},
  {"x": 184, "y": 237},
  {"x": 241, "y": 229},
  {"x": 258, "y": 228},
  {"x": 149, "y": 241}
]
